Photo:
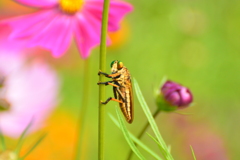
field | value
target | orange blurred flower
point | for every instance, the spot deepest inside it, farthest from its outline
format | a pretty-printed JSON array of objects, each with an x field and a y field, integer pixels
[
  {"x": 60, "y": 139},
  {"x": 121, "y": 36}
]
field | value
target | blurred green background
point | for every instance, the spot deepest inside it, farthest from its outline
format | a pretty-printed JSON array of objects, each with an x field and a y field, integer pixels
[{"x": 195, "y": 43}]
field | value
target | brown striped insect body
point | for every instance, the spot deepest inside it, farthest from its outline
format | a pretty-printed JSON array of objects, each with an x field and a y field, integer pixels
[{"x": 122, "y": 88}]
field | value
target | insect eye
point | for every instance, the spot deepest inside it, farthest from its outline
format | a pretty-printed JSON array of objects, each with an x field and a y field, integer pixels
[
  {"x": 120, "y": 65},
  {"x": 112, "y": 63}
]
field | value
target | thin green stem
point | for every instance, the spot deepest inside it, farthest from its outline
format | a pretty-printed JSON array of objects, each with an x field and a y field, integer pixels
[
  {"x": 102, "y": 66},
  {"x": 21, "y": 139},
  {"x": 34, "y": 146},
  {"x": 142, "y": 132},
  {"x": 83, "y": 110},
  {"x": 194, "y": 157}
]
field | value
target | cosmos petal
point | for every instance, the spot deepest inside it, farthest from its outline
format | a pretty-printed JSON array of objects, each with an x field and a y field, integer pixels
[
  {"x": 38, "y": 3},
  {"x": 33, "y": 23},
  {"x": 116, "y": 12},
  {"x": 56, "y": 36},
  {"x": 12, "y": 61},
  {"x": 87, "y": 35},
  {"x": 186, "y": 96},
  {"x": 7, "y": 45},
  {"x": 31, "y": 90},
  {"x": 46, "y": 28}
]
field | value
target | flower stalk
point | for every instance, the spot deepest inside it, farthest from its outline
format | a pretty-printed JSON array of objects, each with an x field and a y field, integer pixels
[
  {"x": 142, "y": 132},
  {"x": 102, "y": 67}
]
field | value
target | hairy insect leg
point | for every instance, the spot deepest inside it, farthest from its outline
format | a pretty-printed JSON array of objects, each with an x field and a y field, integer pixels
[
  {"x": 115, "y": 92},
  {"x": 120, "y": 94},
  {"x": 111, "y": 99},
  {"x": 108, "y": 83},
  {"x": 100, "y": 72},
  {"x": 108, "y": 75},
  {"x": 116, "y": 89}
]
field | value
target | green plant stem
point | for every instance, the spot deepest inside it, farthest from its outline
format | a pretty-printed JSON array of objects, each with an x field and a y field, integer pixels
[
  {"x": 21, "y": 139},
  {"x": 102, "y": 67},
  {"x": 34, "y": 146},
  {"x": 83, "y": 110},
  {"x": 142, "y": 132},
  {"x": 194, "y": 157}
]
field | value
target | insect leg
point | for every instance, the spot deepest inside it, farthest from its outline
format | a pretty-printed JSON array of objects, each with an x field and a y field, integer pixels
[
  {"x": 108, "y": 83},
  {"x": 120, "y": 94},
  {"x": 115, "y": 92},
  {"x": 115, "y": 89},
  {"x": 109, "y": 75},
  {"x": 100, "y": 72},
  {"x": 111, "y": 99}
]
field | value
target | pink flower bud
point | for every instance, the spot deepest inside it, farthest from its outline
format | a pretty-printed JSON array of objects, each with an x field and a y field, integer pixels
[{"x": 176, "y": 95}]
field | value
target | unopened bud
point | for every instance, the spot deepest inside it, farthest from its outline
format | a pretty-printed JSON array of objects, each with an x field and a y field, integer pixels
[{"x": 173, "y": 96}]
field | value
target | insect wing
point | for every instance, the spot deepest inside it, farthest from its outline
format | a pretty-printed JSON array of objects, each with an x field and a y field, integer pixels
[{"x": 127, "y": 106}]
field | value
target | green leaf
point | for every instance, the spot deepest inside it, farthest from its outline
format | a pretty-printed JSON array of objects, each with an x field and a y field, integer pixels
[
  {"x": 154, "y": 140},
  {"x": 137, "y": 141},
  {"x": 194, "y": 157},
  {"x": 169, "y": 147},
  {"x": 127, "y": 136},
  {"x": 21, "y": 139},
  {"x": 163, "y": 147},
  {"x": 34, "y": 146},
  {"x": 2, "y": 140}
]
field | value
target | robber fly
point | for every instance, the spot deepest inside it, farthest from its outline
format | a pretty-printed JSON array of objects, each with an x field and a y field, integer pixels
[{"x": 122, "y": 88}]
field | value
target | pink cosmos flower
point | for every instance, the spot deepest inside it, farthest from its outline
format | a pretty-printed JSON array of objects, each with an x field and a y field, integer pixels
[
  {"x": 57, "y": 21},
  {"x": 29, "y": 90},
  {"x": 12, "y": 46}
]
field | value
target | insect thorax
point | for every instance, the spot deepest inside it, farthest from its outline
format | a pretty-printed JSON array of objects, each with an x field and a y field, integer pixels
[{"x": 122, "y": 80}]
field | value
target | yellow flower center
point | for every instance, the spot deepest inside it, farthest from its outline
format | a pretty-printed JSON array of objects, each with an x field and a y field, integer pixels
[{"x": 71, "y": 6}]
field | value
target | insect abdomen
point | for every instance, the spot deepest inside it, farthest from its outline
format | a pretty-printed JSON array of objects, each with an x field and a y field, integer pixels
[{"x": 127, "y": 106}]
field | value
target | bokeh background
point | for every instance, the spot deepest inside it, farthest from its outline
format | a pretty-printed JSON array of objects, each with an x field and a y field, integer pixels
[{"x": 195, "y": 43}]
